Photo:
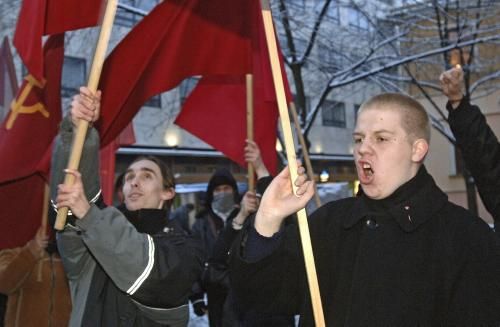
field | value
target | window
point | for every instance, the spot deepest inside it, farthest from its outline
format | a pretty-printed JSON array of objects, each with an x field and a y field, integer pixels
[
  {"x": 129, "y": 18},
  {"x": 328, "y": 61},
  {"x": 333, "y": 113},
  {"x": 357, "y": 19},
  {"x": 73, "y": 75},
  {"x": 332, "y": 11}
]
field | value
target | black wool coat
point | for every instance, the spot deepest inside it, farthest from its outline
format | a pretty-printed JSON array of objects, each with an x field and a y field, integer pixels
[
  {"x": 481, "y": 152},
  {"x": 413, "y": 259}
]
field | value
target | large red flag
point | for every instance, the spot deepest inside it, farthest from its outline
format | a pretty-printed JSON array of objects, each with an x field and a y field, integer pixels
[
  {"x": 177, "y": 39},
  {"x": 216, "y": 109},
  {"x": 8, "y": 79},
  {"x": 27, "y": 131},
  {"x": 22, "y": 206},
  {"x": 47, "y": 17}
]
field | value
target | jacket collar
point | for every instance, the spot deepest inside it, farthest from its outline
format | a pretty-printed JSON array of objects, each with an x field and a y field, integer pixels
[
  {"x": 149, "y": 221},
  {"x": 411, "y": 205}
]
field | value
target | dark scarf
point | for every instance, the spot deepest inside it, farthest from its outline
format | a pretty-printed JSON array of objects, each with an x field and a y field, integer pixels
[{"x": 149, "y": 221}]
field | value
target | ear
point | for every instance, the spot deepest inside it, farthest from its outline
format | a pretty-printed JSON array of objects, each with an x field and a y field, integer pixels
[
  {"x": 419, "y": 150},
  {"x": 168, "y": 194}
]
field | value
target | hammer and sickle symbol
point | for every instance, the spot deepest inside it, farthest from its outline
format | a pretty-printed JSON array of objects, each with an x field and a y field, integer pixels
[{"x": 17, "y": 106}]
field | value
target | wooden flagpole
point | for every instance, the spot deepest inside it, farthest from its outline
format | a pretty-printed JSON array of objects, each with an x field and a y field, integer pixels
[
  {"x": 45, "y": 207},
  {"x": 249, "y": 87},
  {"x": 95, "y": 74},
  {"x": 307, "y": 160},
  {"x": 290, "y": 153}
]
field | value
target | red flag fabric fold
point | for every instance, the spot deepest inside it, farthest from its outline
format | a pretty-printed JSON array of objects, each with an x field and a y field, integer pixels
[
  {"x": 215, "y": 111},
  {"x": 28, "y": 130},
  {"x": 22, "y": 206},
  {"x": 177, "y": 39},
  {"x": 47, "y": 17}
]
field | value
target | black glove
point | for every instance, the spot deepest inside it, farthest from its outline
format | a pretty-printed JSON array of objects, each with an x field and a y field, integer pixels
[{"x": 200, "y": 308}]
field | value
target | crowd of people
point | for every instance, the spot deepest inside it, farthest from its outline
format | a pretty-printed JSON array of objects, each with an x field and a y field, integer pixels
[{"x": 396, "y": 254}]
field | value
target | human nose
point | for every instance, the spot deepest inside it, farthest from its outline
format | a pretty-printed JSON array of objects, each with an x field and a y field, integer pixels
[
  {"x": 134, "y": 182},
  {"x": 365, "y": 146}
]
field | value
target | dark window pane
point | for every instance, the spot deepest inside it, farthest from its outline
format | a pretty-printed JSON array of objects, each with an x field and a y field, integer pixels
[
  {"x": 328, "y": 61},
  {"x": 357, "y": 19},
  {"x": 333, "y": 114},
  {"x": 356, "y": 110}
]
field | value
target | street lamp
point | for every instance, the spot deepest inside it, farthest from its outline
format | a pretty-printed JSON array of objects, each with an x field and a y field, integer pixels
[
  {"x": 171, "y": 138},
  {"x": 324, "y": 176}
]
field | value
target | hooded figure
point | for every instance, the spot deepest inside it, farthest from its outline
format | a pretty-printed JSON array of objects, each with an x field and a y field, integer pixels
[
  {"x": 221, "y": 206},
  {"x": 222, "y": 194}
]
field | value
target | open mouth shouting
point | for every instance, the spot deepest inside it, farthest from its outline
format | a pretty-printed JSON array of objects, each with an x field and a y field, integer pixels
[{"x": 365, "y": 172}]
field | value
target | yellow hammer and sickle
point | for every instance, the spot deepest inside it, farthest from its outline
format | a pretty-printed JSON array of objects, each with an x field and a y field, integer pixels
[{"x": 17, "y": 106}]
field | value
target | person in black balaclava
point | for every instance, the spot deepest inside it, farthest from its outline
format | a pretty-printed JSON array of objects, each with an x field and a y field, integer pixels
[{"x": 221, "y": 206}]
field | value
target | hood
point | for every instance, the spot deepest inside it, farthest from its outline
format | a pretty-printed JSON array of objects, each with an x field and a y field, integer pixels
[{"x": 220, "y": 177}]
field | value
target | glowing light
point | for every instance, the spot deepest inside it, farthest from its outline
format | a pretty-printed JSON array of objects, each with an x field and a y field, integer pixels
[
  {"x": 279, "y": 148},
  {"x": 324, "y": 176},
  {"x": 171, "y": 138},
  {"x": 356, "y": 187}
]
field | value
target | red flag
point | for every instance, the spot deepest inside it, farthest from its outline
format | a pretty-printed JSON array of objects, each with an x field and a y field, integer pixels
[
  {"x": 216, "y": 109},
  {"x": 44, "y": 17},
  {"x": 27, "y": 131},
  {"x": 178, "y": 39},
  {"x": 8, "y": 79},
  {"x": 108, "y": 160},
  {"x": 22, "y": 206}
]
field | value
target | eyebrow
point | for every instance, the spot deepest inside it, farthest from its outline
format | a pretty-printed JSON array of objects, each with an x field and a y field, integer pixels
[{"x": 381, "y": 131}]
